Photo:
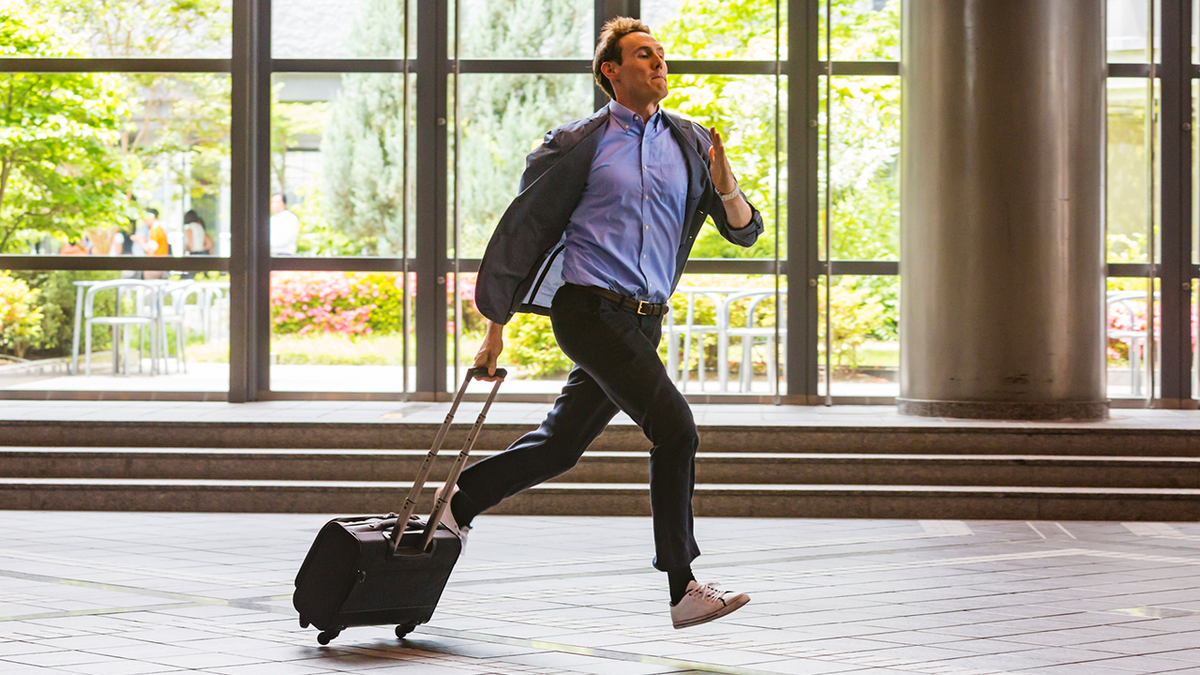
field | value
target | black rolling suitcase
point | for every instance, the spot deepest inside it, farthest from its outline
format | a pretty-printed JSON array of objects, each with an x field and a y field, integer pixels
[{"x": 363, "y": 570}]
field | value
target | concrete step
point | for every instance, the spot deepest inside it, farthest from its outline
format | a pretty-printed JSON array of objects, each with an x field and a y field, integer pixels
[
  {"x": 608, "y": 467},
  {"x": 762, "y": 500},
  {"x": 1062, "y": 439}
]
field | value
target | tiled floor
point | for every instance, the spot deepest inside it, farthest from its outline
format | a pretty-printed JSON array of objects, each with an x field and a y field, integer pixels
[
  {"x": 399, "y": 412},
  {"x": 128, "y": 593}
]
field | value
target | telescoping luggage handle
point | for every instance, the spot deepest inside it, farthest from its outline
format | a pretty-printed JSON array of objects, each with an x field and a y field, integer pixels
[{"x": 410, "y": 502}]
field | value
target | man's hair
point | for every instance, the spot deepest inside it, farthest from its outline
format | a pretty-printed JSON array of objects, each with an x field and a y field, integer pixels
[
  {"x": 282, "y": 197},
  {"x": 153, "y": 212},
  {"x": 608, "y": 48}
]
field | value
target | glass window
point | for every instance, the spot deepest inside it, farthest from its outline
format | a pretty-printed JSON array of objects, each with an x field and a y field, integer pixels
[
  {"x": 864, "y": 163},
  {"x": 504, "y": 117},
  {"x": 742, "y": 108},
  {"x": 1128, "y": 24},
  {"x": 526, "y": 29},
  {"x": 741, "y": 30},
  {"x": 721, "y": 335},
  {"x": 317, "y": 29},
  {"x": 1127, "y": 196},
  {"x": 865, "y": 348},
  {"x": 1127, "y": 328},
  {"x": 130, "y": 164},
  {"x": 340, "y": 331},
  {"x": 128, "y": 29},
  {"x": 114, "y": 331},
  {"x": 863, "y": 30},
  {"x": 337, "y": 154}
]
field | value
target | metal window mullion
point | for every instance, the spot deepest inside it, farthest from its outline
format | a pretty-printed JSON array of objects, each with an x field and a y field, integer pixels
[
  {"x": 802, "y": 218},
  {"x": 1175, "y": 151},
  {"x": 250, "y": 137},
  {"x": 430, "y": 312},
  {"x": 1151, "y": 188},
  {"x": 828, "y": 223},
  {"x": 457, "y": 225}
]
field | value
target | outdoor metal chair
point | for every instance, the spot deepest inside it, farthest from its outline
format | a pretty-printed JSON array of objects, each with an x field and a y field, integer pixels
[
  {"x": 749, "y": 334},
  {"x": 145, "y": 316}
]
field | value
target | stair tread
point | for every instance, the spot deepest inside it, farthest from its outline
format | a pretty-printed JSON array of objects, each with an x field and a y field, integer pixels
[
  {"x": 276, "y": 453},
  {"x": 610, "y": 487}
]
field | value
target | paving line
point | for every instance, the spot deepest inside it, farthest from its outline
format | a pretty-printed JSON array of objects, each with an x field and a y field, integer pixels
[
  {"x": 116, "y": 588},
  {"x": 96, "y": 612},
  {"x": 142, "y": 571}
]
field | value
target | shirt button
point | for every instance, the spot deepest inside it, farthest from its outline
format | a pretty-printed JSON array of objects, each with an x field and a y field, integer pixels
[
  {"x": 645, "y": 196},
  {"x": 647, "y": 227},
  {"x": 626, "y": 127},
  {"x": 643, "y": 257}
]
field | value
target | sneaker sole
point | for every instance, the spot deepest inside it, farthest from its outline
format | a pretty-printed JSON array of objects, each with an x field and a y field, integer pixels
[{"x": 727, "y": 609}]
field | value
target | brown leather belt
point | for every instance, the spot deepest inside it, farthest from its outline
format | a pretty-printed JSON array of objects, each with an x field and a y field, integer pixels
[{"x": 639, "y": 307}]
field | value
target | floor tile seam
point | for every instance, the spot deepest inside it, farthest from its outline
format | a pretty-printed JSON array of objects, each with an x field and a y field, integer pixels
[
  {"x": 141, "y": 571},
  {"x": 754, "y": 548}
]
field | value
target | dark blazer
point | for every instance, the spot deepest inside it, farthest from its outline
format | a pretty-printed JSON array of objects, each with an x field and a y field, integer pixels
[{"x": 522, "y": 267}]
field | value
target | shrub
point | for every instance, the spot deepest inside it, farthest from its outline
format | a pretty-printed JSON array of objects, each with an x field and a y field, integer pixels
[
  {"x": 20, "y": 316},
  {"x": 347, "y": 303}
]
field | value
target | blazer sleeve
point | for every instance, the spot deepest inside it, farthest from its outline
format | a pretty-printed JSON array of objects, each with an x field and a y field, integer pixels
[{"x": 712, "y": 204}]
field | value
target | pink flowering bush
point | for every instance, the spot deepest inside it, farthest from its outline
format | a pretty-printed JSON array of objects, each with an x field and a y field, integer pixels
[
  {"x": 1131, "y": 317},
  {"x": 345, "y": 303}
]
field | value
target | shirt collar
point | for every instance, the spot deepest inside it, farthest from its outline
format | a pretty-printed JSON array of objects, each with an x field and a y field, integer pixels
[{"x": 628, "y": 119}]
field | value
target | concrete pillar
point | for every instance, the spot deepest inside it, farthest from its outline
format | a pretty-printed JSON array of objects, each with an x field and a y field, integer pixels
[{"x": 1002, "y": 209}]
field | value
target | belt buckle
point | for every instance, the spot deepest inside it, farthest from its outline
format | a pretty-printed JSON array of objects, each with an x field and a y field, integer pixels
[{"x": 639, "y": 308}]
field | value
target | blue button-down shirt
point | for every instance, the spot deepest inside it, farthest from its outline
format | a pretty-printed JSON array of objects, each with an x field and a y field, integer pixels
[{"x": 624, "y": 234}]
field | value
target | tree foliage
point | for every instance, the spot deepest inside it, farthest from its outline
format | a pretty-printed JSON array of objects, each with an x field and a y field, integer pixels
[{"x": 60, "y": 170}]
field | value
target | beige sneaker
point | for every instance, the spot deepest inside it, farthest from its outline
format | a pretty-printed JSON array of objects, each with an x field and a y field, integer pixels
[
  {"x": 703, "y": 603},
  {"x": 448, "y": 516}
]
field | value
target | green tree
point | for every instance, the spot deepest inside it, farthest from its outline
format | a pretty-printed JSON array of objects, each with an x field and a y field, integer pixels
[
  {"x": 168, "y": 115},
  {"x": 60, "y": 170},
  {"x": 363, "y": 143}
]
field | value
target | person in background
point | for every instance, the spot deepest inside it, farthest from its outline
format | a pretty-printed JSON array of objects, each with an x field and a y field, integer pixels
[
  {"x": 285, "y": 226},
  {"x": 196, "y": 239},
  {"x": 150, "y": 239}
]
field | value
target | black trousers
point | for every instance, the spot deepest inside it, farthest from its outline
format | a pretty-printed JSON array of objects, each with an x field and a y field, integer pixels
[{"x": 617, "y": 367}]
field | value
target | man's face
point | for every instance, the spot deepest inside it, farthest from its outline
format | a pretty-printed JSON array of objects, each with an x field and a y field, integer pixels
[
  {"x": 277, "y": 204},
  {"x": 642, "y": 74},
  {"x": 150, "y": 219}
]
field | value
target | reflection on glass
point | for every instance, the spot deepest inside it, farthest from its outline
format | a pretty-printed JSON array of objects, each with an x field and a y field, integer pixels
[
  {"x": 130, "y": 29},
  {"x": 742, "y": 30},
  {"x": 721, "y": 335},
  {"x": 863, "y": 30},
  {"x": 742, "y": 108},
  {"x": 337, "y": 153},
  {"x": 865, "y": 345},
  {"x": 1127, "y": 327},
  {"x": 1126, "y": 171},
  {"x": 311, "y": 29},
  {"x": 339, "y": 331},
  {"x": 169, "y": 334},
  {"x": 864, "y": 167},
  {"x": 98, "y": 153},
  {"x": 504, "y": 117},
  {"x": 526, "y": 29},
  {"x": 1128, "y": 28}
]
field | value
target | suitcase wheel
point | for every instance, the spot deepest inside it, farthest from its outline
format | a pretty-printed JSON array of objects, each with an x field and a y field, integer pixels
[
  {"x": 326, "y": 636},
  {"x": 303, "y": 623},
  {"x": 404, "y": 629}
]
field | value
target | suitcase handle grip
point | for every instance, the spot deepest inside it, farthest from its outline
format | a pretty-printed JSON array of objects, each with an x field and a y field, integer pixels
[{"x": 482, "y": 371}]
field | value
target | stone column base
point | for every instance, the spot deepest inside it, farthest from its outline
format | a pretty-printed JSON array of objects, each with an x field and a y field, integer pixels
[{"x": 1084, "y": 411}]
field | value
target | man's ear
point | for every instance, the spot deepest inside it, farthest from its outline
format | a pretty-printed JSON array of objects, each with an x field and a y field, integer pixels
[{"x": 607, "y": 69}]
